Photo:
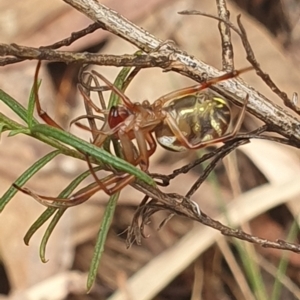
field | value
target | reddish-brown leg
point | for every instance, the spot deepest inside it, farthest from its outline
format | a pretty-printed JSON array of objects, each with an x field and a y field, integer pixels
[
  {"x": 199, "y": 87},
  {"x": 81, "y": 196},
  {"x": 84, "y": 194},
  {"x": 84, "y": 87},
  {"x": 143, "y": 138},
  {"x": 127, "y": 102},
  {"x": 89, "y": 101},
  {"x": 123, "y": 180},
  {"x": 152, "y": 144},
  {"x": 127, "y": 147},
  {"x": 42, "y": 114},
  {"x": 144, "y": 141}
]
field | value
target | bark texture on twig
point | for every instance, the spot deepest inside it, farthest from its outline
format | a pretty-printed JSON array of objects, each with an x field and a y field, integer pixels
[{"x": 227, "y": 49}]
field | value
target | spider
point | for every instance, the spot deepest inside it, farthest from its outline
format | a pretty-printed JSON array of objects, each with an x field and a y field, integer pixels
[{"x": 188, "y": 118}]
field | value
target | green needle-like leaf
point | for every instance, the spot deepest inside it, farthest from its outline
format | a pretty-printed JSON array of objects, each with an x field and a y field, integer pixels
[
  {"x": 64, "y": 194},
  {"x": 48, "y": 232},
  {"x": 38, "y": 223},
  {"x": 31, "y": 105},
  {"x": 16, "y": 107},
  {"x": 102, "y": 234},
  {"x": 94, "y": 151},
  {"x": 25, "y": 177},
  {"x": 121, "y": 83},
  {"x": 18, "y": 131},
  {"x": 3, "y": 127},
  {"x": 51, "y": 210},
  {"x": 114, "y": 99},
  {"x": 12, "y": 125}
]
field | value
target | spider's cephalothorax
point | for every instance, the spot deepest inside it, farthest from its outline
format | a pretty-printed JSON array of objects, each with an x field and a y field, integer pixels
[{"x": 201, "y": 118}]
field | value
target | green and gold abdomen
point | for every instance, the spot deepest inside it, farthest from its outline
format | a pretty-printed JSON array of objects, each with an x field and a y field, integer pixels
[{"x": 200, "y": 117}]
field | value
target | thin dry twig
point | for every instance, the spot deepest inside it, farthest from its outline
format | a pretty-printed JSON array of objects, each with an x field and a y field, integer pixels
[
  {"x": 229, "y": 146},
  {"x": 211, "y": 166},
  {"x": 291, "y": 103},
  {"x": 227, "y": 49},
  {"x": 182, "y": 206},
  {"x": 65, "y": 42},
  {"x": 125, "y": 60}
]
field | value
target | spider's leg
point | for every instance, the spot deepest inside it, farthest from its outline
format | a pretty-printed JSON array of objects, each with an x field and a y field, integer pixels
[
  {"x": 42, "y": 114},
  {"x": 151, "y": 142},
  {"x": 199, "y": 87},
  {"x": 127, "y": 147},
  {"x": 89, "y": 101},
  {"x": 120, "y": 180},
  {"x": 84, "y": 194},
  {"x": 142, "y": 147},
  {"x": 81, "y": 196},
  {"x": 127, "y": 102}
]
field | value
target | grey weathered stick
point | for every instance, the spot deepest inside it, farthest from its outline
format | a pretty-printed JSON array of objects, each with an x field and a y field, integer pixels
[
  {"x": 153, "y": 59},
  {"x": 227, "y": 49},
  {"x": 116, "y": 24}
]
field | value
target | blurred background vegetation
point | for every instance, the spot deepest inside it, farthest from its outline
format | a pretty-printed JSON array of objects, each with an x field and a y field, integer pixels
[{"x": 256, "y": 187}]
